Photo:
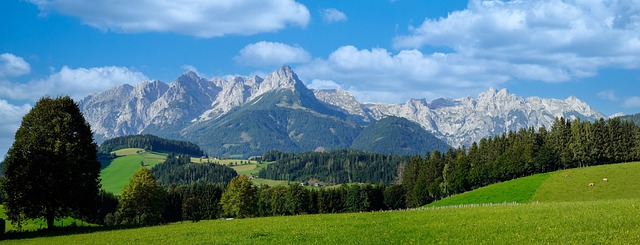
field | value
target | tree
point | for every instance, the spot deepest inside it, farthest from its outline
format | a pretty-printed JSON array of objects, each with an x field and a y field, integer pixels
[
  {"x": 239, "y": 199},
  {"x": 142, "y": 200},
  {"x": 52, "y": 170},
  {"x": 191, "y": 209}
]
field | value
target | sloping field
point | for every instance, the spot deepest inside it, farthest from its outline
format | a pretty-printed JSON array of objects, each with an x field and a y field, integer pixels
[
  {"x": 623, "y": 182},
  {"x": 597, "y": 222},
  {"x": 117, "y": 174}
]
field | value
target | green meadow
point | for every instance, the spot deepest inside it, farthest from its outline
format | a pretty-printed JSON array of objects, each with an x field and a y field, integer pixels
[
  {"x": 117, "y": 173},
  {"x": 591, "y": 222},
  {"x": 561, "y": 186}
]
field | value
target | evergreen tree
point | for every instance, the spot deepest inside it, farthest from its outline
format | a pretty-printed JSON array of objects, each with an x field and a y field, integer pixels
[{"x": 51, "y": 170}]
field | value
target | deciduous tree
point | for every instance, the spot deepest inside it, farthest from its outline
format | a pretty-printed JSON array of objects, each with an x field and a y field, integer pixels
[{"x": 51, "y": 170}]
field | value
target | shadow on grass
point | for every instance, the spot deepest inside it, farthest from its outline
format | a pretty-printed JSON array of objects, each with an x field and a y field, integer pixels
[{"x": 63, "y": 231}]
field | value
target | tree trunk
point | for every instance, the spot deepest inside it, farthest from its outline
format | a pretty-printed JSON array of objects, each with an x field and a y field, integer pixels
[{"x": 50, "y": 218}]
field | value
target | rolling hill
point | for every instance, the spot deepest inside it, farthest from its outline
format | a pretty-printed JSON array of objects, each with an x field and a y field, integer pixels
[{"x": 561, "y": 186}]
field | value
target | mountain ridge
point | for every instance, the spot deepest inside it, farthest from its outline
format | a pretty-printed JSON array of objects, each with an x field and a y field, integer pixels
[{"x": 180, "y": 108}]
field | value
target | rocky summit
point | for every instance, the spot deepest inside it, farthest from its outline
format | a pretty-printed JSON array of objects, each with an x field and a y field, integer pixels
[{"x": 190, "y": 106}]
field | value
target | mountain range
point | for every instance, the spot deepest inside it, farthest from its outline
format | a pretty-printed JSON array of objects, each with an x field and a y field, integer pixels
[{"x": 251, "y": 115}]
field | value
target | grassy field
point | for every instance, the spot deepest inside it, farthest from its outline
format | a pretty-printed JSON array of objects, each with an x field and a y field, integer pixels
[
  {"x": 37, "y": 224},
  {"x": 519, "y": 190},
  {"x": 595, "y": 222},
  {"x": 560, "y": 186},
  {"x": 117, "y": 174}
]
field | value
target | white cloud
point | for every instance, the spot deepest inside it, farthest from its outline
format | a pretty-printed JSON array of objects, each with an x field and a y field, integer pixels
[
  {"x": 551, "y": 40},
  {"x": 200, "y": 18},
  {"x": 608, "y": 95},
  {"x": 631, "y": 102},
  {"x": 412, "y": 74},
  {"x": 323, "y": 84},
  {"x": 13, "y": 66},
  {"x": 271, "y": 54},
  {"x": 10, "y": 119},
  {"x": 76, "y": 83},
  {"x": 332, "y": 15}
]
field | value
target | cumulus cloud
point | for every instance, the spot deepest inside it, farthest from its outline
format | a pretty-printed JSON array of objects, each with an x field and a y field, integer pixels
[
  {"x": 13, "y": 66},
  {"x": 200, "y": 18},
  {"x": 332, "y": 15},
  {"x": 10, "y": 119},
  {"x": 380, "y": 75},
  {"x": 553, "y": 40},
  {"x": 270, "y": 54},
  {"x": 77, "y": 83}
]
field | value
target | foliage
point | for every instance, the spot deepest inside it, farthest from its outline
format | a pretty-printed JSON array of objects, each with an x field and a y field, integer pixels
[
  {"x": 178, "y": 207},
  {"x": 51, "y": 170},
  {"x": 338, "y": 166},
  {"x": 601, "y": 222},
  {"x": 398, "y": 136},
  {"x": 518, "y": 154},
  {"x": 239, "y": 199},
  {"x": 180, "y": 170},
  {"x": 142, "y": 201},
  {"x": 150, "y": 143}
]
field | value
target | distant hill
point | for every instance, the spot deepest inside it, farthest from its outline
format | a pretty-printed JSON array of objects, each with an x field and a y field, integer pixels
[
  {"x": 151, "y": 143},
  {"x": 635, "y": 118},
  {"x": 335, "y": 167},
  {"x": 396, "y": 135}
]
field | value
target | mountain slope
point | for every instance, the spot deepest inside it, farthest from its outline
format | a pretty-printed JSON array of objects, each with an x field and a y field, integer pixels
[
  {"x": 275, "y": 107},
  {"x": 395, "y": 135},
  {"x": 465, "y": 120}
]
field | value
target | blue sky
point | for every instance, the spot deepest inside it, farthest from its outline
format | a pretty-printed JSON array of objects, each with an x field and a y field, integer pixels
[{"x": 381, "y": 51}]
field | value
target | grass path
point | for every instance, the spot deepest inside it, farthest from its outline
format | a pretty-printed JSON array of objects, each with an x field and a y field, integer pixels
[{"x": 596, "y": 222}]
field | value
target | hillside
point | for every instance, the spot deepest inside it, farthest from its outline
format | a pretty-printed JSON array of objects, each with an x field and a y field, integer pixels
[
  {"x": 119, "y": 170},
  {"x": 560, "y": 186},
  {"x": 635, "y": 118},
  {"x": 150, "y": 143},
  {"x": 399, "y": 136}
]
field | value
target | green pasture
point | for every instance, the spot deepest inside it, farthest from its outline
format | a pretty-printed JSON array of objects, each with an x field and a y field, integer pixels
[
  {"x": 117, "y": 174},
  {"x": 561, "y": 186},
  {"x": 592, "y": 222},
  {"x": 38, "y": 224}
]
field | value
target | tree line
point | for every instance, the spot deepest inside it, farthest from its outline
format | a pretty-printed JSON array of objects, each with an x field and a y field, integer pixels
[
  {"x": 177, "y": 170},
  {"x": 336, "y": 167},
  {"x": 565, "y": 144},
  {"x": 145, "y": 202},
  {"x": 151, "y": 143}
]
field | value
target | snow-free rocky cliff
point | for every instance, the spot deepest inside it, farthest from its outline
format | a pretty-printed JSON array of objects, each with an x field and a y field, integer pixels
[{"x": 151, "y": 106}]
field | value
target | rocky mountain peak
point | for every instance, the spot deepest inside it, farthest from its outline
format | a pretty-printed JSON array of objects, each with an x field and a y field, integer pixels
[{"x": 283, "y": 78}]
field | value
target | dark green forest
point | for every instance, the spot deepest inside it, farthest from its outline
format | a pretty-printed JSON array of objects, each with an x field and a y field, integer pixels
[
  {"x": 336, "y": 167},
  {"x": 179, "y": 170},
  {"x": 150, "y": 143}
]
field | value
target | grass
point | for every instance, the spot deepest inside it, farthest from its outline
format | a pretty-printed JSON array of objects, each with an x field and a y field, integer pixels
[
  {"x": 624, "y": 182},
  {"x": 519, "y": 190},
  {"x": 559, "y": 186},
  {"x": 596, "y": 222},
  {"x": 37, "y": 224},
  {"x": 117, "y": 174}
]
